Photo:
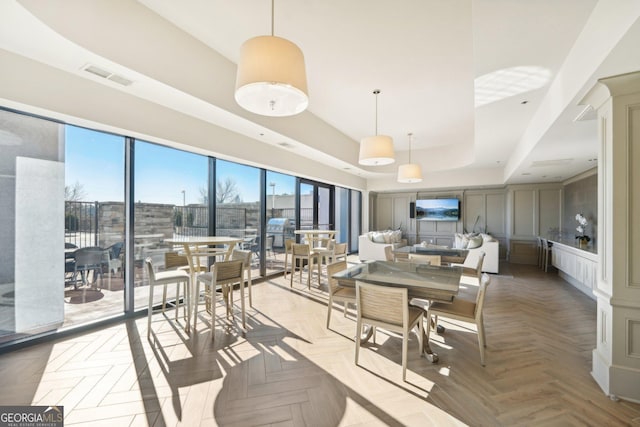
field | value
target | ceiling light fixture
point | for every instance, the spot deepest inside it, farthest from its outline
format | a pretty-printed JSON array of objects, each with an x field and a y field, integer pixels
[
  {"x": 410, "y": 172},
  {"x": 271, "y": 78},
  {"x": 376, "y": 150}
]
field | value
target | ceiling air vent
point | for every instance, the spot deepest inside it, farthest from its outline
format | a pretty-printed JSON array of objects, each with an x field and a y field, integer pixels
[{"x": 100, "y": 72}]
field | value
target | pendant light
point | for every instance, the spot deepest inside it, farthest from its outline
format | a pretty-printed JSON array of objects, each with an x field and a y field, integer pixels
[
  {"x": 410, "y": 172},
  {"x": 271, "y": 79},
  {"x": 376, "y": 150}
]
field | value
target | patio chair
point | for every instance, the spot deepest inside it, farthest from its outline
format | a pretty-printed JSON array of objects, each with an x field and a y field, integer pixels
[
  {"x": 89, "y": 261},
  {"x": 114, "y": 263},
  {"x": 164, "y": 278}
]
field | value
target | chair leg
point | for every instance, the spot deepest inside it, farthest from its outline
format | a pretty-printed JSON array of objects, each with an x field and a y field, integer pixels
[
  {"x": 196, "y": 298},
  {"x": 405, "y": 345},
  {"x": 213, "y": 313},
  {"x": 249, "y": 281},
  {"x": 481, "y": 343},
  {"x": 164, "y": 296},
  {"x": 293, "y": 269},
  {"x": 358, "y": 335},
  {"x": 309, "y": 273},
  {"x": 319, "y": 272},
  {"x": 150, "y": 312},
  {"x": 329, "y": 309}
]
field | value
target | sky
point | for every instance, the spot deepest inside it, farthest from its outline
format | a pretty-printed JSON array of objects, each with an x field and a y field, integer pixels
[{"x": 95, "y": 160}]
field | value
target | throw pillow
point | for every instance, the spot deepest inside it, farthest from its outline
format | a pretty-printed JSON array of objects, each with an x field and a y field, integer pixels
[
  {"x": 378, "y": 237},
  {"x": 487, "y": 237},
  {"x": 475, "y": 242},
  {"x": 396, "y": 236},
  {"x": 387, "y": 236}
]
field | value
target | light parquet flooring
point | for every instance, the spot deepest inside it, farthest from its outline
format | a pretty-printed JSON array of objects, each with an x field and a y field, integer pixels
[{"x": 289, "y": 370}]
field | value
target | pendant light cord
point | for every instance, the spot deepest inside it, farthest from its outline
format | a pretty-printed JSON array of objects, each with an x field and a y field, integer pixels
[
  {"x": 376, "y": 92},
  {"x": 410, "y": 138},
  {"x": 272, "y": 16}
]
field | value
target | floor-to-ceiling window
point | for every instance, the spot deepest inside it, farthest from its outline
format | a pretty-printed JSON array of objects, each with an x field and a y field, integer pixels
[
  {"x": 355, "y": 223},
  {"x": 238, "y": 208},
  {"x": 281, "y": 215},
  {"x": 63, "y": 191},
  {"x": 171, "y": 201},
  {"x": 94, "y": 225}
]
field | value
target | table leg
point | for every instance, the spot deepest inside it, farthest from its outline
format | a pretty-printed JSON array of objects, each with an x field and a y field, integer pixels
[{"x": 426, "y": 347}]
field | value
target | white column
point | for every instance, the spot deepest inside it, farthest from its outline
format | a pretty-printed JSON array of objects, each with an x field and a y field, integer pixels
[{"x": 616, "y": 358}]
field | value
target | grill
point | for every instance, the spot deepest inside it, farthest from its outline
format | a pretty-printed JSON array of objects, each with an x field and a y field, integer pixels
[{"x": 277, "y": 227}]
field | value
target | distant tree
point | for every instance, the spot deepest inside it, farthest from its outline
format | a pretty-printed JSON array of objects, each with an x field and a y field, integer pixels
[
  {"x": 204, "y": 195},
  {"x": 74, "y": 193},
  {"x": 227, "y": 191}
]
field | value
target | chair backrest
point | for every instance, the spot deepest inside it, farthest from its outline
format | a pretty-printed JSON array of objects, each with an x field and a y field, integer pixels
[
  {"x": 382, "y": 303},
  {"x": 115, "y": 249},
  {"x": 89, "y": 257},
  {"x": 340, "y": 249},
  {"x": 228, "y": 272},
  {"x": 150, "y": 271},
  {"x": 327, "y": 243},
  {"x": 332, "y": 269},
  {"x": 482, "y": 290},
  {"x": 426, "y": 259},
  {"x": 388, "y": 253},
  {"x": 288, "y": 244},
  {"x": 300, "y": 249},
  {"x": 242, "y": 255},
  {"x": 174, "y": 260}
]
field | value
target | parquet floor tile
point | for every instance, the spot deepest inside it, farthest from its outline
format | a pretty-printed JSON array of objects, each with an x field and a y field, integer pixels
[{"x": 288, "y": 369}]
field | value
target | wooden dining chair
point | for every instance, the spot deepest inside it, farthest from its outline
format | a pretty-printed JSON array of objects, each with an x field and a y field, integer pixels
[
  {"x": 471, "y": 275},
  {"x": 223, "y": 276},
  {"x": 301, "y": 252},
  {"x": 387, "y": 307},
  {"x": 165, "y": 278},
  {"x": 244, "y": 256},
  {"x": 466, "y": 311},
  {"x": 339, "y": 252},
  {"x": 288, "y": 244},
  {"x": 338, "y": 293}
]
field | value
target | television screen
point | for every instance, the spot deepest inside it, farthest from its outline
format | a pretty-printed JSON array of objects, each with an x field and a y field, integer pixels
[{"x": 438, "y": 209}]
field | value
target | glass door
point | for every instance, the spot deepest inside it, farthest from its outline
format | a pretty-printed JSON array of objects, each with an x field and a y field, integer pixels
[{"x": 315, "y": 206}]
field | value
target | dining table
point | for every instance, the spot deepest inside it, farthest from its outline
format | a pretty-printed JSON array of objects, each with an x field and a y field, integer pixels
[
  {"x": 313, "y": 236},
  {"x": 423, "y": 281},
  {"x": 188, "y": 244}
]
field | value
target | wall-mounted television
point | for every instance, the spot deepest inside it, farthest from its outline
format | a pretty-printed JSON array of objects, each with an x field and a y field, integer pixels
[{"x": 438, "y": 209}]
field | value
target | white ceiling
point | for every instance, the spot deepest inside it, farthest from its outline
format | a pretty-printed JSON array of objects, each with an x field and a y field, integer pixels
[{"x": 424, "y": 56}]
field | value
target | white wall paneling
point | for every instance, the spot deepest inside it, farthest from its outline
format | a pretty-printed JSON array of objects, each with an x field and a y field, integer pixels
[{"x": 615, "y": 364}]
